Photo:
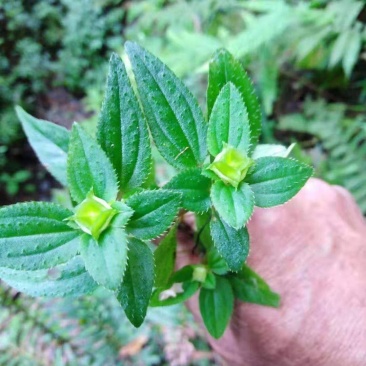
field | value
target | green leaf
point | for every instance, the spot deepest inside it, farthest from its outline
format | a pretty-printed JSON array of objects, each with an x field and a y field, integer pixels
[
  {"x": 184, "y": 274},
  {"x": 228, "y": 122},
  {"x": 35, "y": 236},
  {"x": 154, "y": 212},
  {"x": 106, "y": 259},
  {"x": 216, "y": 263},
  {"x": 122, "y": 130},
  {"x": 69, "y": 279},
  {"x": 275, "y": 180},
  {"x": 49, "y": 141},
  {"x": 174, "y": 117},
  {"x": 165, "y": 258},
  {"x": 225, "y": 68},
  {"x": 263, "y": 150},
  {"x": 194, "y": 188},
  {"x": 188, "y": 290},
  {"x": 248, "y": 286},
  {"x": 135, "y": 292},
  {"x": 235, "y": 206},
  {"x": 216, "y": 307},
  {"x": 210, "y": 281},
  {"x": 89, "y": 168},
  {"x": 232, "y": 244}
]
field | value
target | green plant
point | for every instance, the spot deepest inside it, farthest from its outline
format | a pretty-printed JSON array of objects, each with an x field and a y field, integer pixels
[{"x": 48, "y": 250}]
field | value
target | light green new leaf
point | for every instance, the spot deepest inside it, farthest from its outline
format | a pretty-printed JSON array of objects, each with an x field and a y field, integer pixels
[
  {"x": 122, "y": 130},
  {"x": 88, "y": 167},
  {"x": 165, "y": 258},
  {"x": 35, "y": 236},
  {"x": 154, "y": 212},
  {"x": 275, "y": 180},
  {"x": 174, "y": 117},
  {"x": 135, "y": 292},
  {"x": 228, "y": 122},
  {"x": 175, "y": 295},
  {"x": 69, "y": 279},
  {"x": 235, "y": 206},
  {"x": 248, "y": 286},
  {"x": 106, "y": 259},
  {"x": 194, "y": 188},
  {"x": 49, "y": 141},
  {"x": 216, "y": 307},
  {"x": 233, "y": 245},
  {"x": 225, "y": 68}
]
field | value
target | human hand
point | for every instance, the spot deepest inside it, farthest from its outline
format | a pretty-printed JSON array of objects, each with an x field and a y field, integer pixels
[{"x": 313, "y": 252}]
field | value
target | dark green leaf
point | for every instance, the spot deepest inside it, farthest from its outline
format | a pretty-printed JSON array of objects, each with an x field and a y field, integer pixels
[
  {"x": 187, "y": 290},
  {"x": 174, "y": 117},
  {"x": 154, "y": 212},
  {"x": 69, "y": 279},
  {"x": 194, "y": 188},
  {"x": 122, "y": 130},
  {"x": 182, "y": 275},
  {"x": 249, "y": 287},
  {"x": 88, "y": 167},
  {"x": 232, "y": 244},
  {"x": 165, "y": 258},
  {"x": 216, "y": 307},
  {"x": 35, "y": 236},
  {"x": 135, "y": 292},
  {"x": 228, "y": 122},
  {"x": 235, "y": 206},
  {"x": 49, "y": 141},
  {"x": 225, "y": 68},
  {"x": 275, "y": 180}
]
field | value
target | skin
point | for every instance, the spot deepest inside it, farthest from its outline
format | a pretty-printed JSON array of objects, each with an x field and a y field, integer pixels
[{"x": 313, "y": 252}]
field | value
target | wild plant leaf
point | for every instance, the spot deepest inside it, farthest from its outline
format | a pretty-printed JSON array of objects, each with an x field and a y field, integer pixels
[
  {"x": 228, "y": 122},
  {"x": 210, "y": 281},
  {"x": 174, "y": 117},
  {"x": 275, "y": 180},
  {"x": 164, "y": 256},
  {"x": 69, "y": 279},
  {"x": 122, "y": 130},
  {"x": 49, "y": 141},
  {"x": 183, "y": 274},
  {"x": 216, "y": 262},
  {"x": 248, "y": 286},
  {"x": 235, "y": 206},
  {"x": 88, "y": 167},
  {"x": 106, "y": 259},
  {"x": 35, "y": 236},
  {"x": 135, "y": 291},
  {"x": 181, "y": 294},
  {"x": 216, "y": 306},
  {"x": 233, "y": 245},
  {"x": 154, "y": 212},
  {"x": 225, "y": 68},
  {"x": 194, "y": 189}
]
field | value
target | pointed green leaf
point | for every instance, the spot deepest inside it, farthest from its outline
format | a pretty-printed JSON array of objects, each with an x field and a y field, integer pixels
[
  {"x": 88, "y": 167},
  {"x": 228, "y": 122},
  {"x": 176, "y": 295},
  {"x": 154, "y": 212},
  {"x": 216, "y": 307},
  {"x": 225, "y": 68},
  {"x": 275, "y": 180},
  {"x": 106, "y": 259},
  {"x": 216, "y": 263},
  {"x": 165, "y": 258},
  {"x": 174, "y": 117},
  {"x": 194, "y": 188},
  {"x": 69, "y": 279},
  {"x": 235, "y": 206},
  {"x": 248, "y": 286},
  {"x": 49, "y": 141},
  {"x": 232, "y": 244},
  {"x": 135, "y": 292},
  {"x": 122, "y": 130},
  {"x": 210, "y": 281},
  {"x": 35, "y": 236}
]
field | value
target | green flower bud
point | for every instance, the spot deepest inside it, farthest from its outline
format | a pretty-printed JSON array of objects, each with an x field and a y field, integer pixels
[
  {"x": 231, "y": 165},
  {"x": 93, "y": 215},
  {"x": 199, "y": 273}
]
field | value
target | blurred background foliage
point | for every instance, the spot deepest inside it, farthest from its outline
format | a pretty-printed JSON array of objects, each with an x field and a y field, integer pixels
[{"x": 307, "y": 59}]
